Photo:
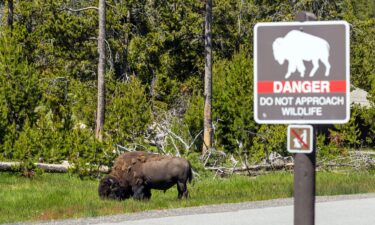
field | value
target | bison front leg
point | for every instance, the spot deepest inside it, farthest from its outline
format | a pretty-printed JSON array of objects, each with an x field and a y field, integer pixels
[
  {"x": 291, "y": 69},
  {"x": 301, "y": 68},
  {"x": 326, "y": 64},
  {"x": 141, "y": 192},
  {"x": 147, "y": 193},
  {"x": 138, "y": 191}
]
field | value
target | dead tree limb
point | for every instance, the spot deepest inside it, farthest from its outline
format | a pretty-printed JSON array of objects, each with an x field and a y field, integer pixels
[
  {"x": 51, "y": 168},
  {"x": 81, "y": 9}
]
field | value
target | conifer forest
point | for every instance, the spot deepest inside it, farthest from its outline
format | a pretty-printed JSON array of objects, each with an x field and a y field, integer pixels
[{"x": 148, "y": 57}]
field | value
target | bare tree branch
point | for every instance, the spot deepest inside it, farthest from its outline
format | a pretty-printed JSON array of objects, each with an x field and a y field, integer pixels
[
  {"x": 81, "y": 9},
  {"x": 110, "y": 60},
  {"x": 175, "y": 146},
  {"x": 123, "y": 148},
  {"x": 178, "y": 138},
  {"x": 192, "y": 143}
]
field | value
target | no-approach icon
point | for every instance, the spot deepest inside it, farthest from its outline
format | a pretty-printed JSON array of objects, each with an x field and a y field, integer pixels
[{"x": 300, "y": 139}]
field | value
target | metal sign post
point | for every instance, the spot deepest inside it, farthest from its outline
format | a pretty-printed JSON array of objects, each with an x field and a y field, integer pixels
[
  {"x": 304, "y": 186},
  {"x": 304, "y": 172}
]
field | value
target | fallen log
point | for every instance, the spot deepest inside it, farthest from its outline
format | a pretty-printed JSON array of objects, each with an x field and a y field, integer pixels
[
  {"x": 255, "y": 170},
  {"x": 252, "y": 170},
  {"x": 51, "y": 168}
]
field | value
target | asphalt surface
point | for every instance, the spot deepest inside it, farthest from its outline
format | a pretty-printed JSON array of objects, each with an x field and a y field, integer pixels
[{"x": 330, "y": 210}]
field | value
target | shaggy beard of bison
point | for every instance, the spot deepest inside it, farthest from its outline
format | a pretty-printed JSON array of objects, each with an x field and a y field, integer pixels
[{"x": 110, "y": 188}]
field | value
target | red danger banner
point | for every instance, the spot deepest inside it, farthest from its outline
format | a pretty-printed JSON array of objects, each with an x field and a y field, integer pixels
[{"x": 301, "y": 86}]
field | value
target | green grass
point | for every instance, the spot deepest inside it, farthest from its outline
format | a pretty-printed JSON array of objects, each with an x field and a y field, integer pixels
[{"x": 58, "y": 196}]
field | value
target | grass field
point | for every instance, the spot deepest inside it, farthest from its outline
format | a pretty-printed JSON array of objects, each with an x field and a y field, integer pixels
[{"x": 58, "y": 196}]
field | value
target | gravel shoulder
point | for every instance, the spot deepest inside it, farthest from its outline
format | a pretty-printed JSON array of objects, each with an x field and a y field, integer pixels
[{"x": 196, "y": 210}]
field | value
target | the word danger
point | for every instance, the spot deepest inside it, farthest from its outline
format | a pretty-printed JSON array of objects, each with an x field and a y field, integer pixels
[{"x": 301, "y": 87}]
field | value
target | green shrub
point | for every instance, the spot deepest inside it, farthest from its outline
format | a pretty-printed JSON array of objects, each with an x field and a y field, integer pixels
[
  {"x": 349, "y": 132},
  {"x": 268, "y": 139},
  {"x": 233, "y": 103},
  {"x": 329, "y": 149},
  {"x": 193, "y": 118},
  {"x": 366, "y": 123},
  {"x": 128, "y": 111},
  {"x": 19, "y": 91},
  {"x": 87, "y": 154}
]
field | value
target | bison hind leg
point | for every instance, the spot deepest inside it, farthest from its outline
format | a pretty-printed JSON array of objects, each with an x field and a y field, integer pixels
[
  {"x": 315, "y": 63},
  {"x": 182, "y": 189}
]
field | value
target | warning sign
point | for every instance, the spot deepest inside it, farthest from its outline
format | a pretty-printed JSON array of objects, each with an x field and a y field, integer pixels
[
  {"x": 301, "y": 72},
  {"x": 300, "y": 139}
]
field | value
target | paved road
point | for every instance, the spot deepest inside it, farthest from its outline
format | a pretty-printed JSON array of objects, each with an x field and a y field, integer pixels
[
  {"x": 346, "y": 212},
  {"x": 335, "y": 210}
]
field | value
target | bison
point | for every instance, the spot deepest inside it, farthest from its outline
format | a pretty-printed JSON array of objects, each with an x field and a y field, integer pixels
[
  {"x": 136, "y": 173},
  {"x": 117, "y": 184},
  {"x": 161, "y": 173}
]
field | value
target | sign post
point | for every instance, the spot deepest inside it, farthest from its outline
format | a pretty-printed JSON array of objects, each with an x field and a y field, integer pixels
[
  {"x": 304, "y": 173},
  {"x": 301, "y": 76}
]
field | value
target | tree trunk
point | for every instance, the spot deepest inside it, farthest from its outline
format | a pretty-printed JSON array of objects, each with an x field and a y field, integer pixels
[
  {"x": 239, "y": 29},
  {"x": 208, "y": 132},
  {"x": 125, "y": 51},
  {"x": 10, "y": 13},
  {"x": 101, "y": 72}
]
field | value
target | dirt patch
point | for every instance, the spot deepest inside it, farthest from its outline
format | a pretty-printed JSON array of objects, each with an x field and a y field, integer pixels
[
  {"x": 53, "y": 213},
  {"x": 117, "y": 209}
]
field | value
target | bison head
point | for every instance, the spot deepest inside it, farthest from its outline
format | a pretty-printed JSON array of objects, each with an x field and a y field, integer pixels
[
  {"x": 110, "y": 187},
  {"x": 278, "y": 51}
]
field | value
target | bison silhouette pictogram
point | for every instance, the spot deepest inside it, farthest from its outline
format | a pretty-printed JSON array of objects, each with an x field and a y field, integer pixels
[{"x": 297, "y": 47}]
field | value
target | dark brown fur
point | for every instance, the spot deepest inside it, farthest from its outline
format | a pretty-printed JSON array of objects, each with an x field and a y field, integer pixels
[
  {"x": 136, "y": 173},
  {"x": 110, "y": 188},
  {"x": 160, "y": 173},
  {"x": 117, "y": 184}
]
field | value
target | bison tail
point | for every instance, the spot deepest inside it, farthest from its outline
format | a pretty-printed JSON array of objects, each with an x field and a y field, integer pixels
[{"x": 190, "y": 173}]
